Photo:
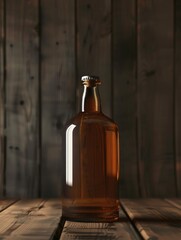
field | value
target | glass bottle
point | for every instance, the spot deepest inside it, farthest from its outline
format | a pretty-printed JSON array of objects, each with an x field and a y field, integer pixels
[{"x": 90, "y": 186}]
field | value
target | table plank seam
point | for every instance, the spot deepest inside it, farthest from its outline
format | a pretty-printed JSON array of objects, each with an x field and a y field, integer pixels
[
  {"x": 173, "y": 204},
  {"x": 8, "y": 205},
  {"x": 58, "y": 231},
  {"x": 132, "y": 222}
]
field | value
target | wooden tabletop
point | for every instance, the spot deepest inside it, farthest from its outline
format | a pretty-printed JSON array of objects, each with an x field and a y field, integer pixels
[{"x": 148, "y": 219}]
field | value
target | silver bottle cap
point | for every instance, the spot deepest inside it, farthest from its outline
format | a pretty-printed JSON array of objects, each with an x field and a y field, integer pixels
[{"x": 90, "y": 80}]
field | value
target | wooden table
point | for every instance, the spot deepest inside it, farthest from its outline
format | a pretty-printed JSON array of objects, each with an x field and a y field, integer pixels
[{"x": 148, "y": 219}]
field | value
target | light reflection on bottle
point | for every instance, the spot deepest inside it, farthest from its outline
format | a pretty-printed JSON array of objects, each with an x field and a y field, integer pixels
[{"x": 69, "y": 155}]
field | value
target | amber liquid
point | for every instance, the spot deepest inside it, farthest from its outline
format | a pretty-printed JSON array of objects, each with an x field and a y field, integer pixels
[{"x": 92, "y": 168}]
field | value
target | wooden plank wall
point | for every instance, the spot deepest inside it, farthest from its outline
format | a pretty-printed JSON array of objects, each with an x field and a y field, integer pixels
[
  {"x": 45, "y": 47},
  {"x": 22, "y": 105},
  {"x": 125, "y": 92},
  {"x": 177, "y": 88},
  {"x": 155, "y": 47},
  {"x": 2, "y": 120},
  {"x": 58, "y": 84}
]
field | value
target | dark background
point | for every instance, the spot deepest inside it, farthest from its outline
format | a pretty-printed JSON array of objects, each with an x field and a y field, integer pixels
[{"x": 135, "y": 48}]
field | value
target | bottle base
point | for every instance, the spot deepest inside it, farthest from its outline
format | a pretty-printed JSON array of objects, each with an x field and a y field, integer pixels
[{"x": 91, "y": 210}]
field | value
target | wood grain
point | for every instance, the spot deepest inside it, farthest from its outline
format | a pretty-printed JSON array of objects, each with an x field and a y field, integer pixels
[
  {"x": 177, "y": 93},
  {"x": 30, "y": 219},
  {"x": 58, "y": 88},
  {"x": 148, "y": 219},
  {"x": 175, "y": 202},
  {"x": 155, "y": 98},
  {"x": 155, "y": 219},
  {"x": 5, "y": 204},
  {"x": 2, "y": 52},
  {"x": 124, "y": 89},
  {"x": 22, "y": 98},
  {"x": 94, "y": 47}
]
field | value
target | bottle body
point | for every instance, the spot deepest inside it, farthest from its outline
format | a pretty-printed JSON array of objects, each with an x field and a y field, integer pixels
[
  {"x": 92, "y": 168},
  {"x": 90, "y": 187}
]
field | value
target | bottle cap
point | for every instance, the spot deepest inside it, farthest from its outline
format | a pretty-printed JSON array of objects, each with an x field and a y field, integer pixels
[{"x": 90, "y": 80}]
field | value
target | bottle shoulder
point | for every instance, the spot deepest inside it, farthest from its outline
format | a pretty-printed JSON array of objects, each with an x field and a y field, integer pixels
[{"x": 97, "y": 118}]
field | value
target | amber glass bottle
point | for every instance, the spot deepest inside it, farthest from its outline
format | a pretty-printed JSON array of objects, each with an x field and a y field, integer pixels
[{"x": 91, "y": 161}]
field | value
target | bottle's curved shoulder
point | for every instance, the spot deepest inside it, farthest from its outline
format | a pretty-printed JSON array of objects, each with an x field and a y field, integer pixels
[{"x": 92, "y": 118}]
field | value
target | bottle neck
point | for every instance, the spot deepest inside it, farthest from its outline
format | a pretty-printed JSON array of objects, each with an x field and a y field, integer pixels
[{"x": 91, "y": 99}]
